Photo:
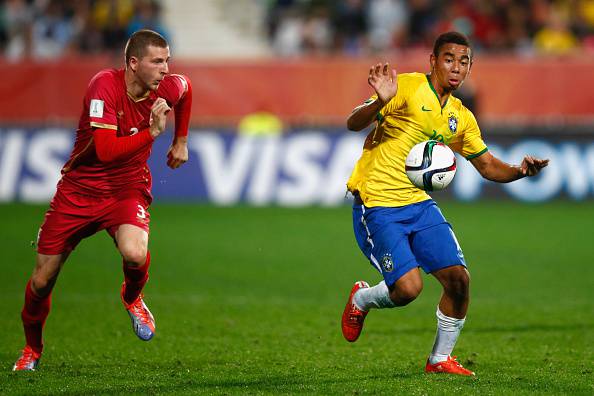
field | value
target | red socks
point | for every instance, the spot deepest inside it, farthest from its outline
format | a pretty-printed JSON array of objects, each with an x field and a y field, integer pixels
[
  {"x": 34, "y": 314},
  {"x": 135, "y": 278},
  {"x": 36, "y": 308}
]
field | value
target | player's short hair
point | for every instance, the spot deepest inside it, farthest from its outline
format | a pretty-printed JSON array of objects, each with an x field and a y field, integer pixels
[
  {"x": 450, "y": 38},
  {"x": 139, "y": 42}
]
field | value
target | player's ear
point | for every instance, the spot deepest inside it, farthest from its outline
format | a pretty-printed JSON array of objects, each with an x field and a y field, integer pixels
[
  {"x": 133, "y": 63},
  {"x": 432, "y": 61}
]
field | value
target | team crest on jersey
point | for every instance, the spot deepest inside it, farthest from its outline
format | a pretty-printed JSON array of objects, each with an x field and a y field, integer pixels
[
  {"x": 387, "y": 263},
  {"x": 453, "y": 123}
]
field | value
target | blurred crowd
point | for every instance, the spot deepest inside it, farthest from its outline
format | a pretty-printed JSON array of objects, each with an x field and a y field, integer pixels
[
  {"x": 47, "y": 29},
  {"x": 359, "y": 27}
]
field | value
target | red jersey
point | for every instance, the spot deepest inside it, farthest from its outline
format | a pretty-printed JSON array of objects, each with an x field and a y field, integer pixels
[{"x": 108, "y": 105}]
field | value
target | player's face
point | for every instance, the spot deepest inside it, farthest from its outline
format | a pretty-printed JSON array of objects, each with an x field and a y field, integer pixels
[
  {"x": 153, "y": 66},
  {"x": 451, "y": 66}
]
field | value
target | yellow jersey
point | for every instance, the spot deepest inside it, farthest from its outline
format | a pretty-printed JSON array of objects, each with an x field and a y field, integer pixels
[{"x": 414, "y": 115}]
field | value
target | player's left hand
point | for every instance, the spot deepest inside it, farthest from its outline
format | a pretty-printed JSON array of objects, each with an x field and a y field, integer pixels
[
  {"x": 531, "y": 166},
  {"x": 177, "y": 155}
]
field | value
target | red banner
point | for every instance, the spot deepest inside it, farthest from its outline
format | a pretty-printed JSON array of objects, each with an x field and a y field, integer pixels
[{"x": 315, "y": 92}]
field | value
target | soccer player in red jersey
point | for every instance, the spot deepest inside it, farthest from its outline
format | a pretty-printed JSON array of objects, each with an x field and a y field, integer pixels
[{"x": 106, "y": 183}]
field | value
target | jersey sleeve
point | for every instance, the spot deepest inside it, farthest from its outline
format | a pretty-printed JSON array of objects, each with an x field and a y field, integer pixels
[
  {"x": 394, "y": 104},
  {"x": 176, "y": 89},
  {"x": 173, "y": 88},
  {"x": 109, "y": 147},
  {"x": 101, "y": 103},
  {"x": 469, "y": 142}
]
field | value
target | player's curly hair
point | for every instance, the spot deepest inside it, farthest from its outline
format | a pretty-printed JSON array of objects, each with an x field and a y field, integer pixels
[
  {"x": 140, "y": 40},
  {"x": 450, "y": 38}
]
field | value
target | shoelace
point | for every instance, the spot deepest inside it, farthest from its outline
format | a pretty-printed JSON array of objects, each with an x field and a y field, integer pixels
[
  {"x": 355, "y": 315},
  {"x": 139, "y": 311},
  {"x": 457, "y": 364},
  {"x": 26, "y": 358}
]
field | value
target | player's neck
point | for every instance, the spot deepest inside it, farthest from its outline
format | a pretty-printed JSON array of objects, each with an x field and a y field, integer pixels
[
  {"x": 133, "y": 86},
  {"x": 441, "y": 92}
]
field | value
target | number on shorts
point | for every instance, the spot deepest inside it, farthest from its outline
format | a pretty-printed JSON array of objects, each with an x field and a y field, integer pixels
[{"x": 141, "y": 212}]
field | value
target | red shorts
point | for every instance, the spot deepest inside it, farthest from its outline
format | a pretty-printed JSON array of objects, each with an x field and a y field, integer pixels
[{"x": 74, "y": 216}]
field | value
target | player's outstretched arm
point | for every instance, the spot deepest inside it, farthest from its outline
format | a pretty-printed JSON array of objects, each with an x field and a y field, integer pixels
[
  {"x": 492, "y": 168},
  {"x": 384, "y": 82}
]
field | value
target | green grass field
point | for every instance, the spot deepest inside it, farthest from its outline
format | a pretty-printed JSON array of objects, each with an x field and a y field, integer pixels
[{"x": 248, "y": 301}]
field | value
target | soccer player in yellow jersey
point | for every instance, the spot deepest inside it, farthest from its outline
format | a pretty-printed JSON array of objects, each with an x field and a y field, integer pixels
[{"x": 399, "y": 227}]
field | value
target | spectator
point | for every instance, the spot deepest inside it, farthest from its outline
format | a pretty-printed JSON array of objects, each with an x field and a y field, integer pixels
[
  {"x": 112, "y": 18},
  {"x": 317, "y": 32},
  {"x": 350, "y": 25},
  {"x": 288, "y": 33},
  {"x": 387, "y": 23},
  {"x": 555, "y": 38},
  {"x": 19, "y": 20},
  {"x": 52, "y": 31},
  {"x": 147, "y": 15}
]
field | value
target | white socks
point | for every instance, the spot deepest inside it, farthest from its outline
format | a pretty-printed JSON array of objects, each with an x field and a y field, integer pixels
[
  {"x": 448, "y": 330},
  {"x": 377, "y": 296}
]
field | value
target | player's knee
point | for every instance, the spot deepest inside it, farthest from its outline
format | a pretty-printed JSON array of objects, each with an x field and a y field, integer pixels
[
  {"x": 41, "y": 284},
  {"x": 458, "y": 284},
  {"x": 133, "y": 254},
  {"x": 406, "y": 293}
]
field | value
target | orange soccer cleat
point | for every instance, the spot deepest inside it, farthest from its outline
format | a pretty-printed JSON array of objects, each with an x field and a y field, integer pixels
[
  {"x": 450, "y": 366},
  {"x": 352, "y": 317},
  {"x": 143, "y": 322},
  {"x": 28, "y": 360}
]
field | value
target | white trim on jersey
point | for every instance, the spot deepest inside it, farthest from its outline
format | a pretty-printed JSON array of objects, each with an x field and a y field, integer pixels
[
  {"x": 375, "y": 262},
  {"x": 369, "y": 240},
  {"x": 365, "y": 225}
]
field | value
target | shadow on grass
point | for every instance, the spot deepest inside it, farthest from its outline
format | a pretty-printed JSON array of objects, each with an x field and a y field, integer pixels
[
  {"x": 521, "y": 328},
  {"x": 266, "y": 383},
  {"x": 525, "y": 328},
  {"x": 177, "y": 379}
]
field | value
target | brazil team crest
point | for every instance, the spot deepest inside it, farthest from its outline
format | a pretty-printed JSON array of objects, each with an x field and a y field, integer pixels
[
  {"x": 453, "y": 123},
  {"x": 387, "y": 263}
]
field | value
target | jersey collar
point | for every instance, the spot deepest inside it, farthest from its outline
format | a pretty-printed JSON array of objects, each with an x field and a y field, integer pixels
[
  {"x": 135, "y": 99},
  {"x": 435, "y": 92}
]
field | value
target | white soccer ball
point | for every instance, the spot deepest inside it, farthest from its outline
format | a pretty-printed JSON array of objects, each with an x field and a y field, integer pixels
[{"x": 431, "y": 165}]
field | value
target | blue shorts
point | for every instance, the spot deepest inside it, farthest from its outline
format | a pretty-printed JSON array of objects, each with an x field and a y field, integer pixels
[{"x": 396, "y": 240}]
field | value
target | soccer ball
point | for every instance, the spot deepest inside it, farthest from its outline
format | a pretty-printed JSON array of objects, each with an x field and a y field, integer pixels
[{"x": 431, "y": 165}]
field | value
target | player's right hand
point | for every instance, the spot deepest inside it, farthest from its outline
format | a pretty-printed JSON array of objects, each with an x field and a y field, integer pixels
[
  {"x": 158, "y": 117},
  {"x": 383, "y": 81}
]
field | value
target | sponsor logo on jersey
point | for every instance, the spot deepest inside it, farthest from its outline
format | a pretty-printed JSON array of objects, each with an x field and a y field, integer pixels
[{"x": 424, "y": 108}]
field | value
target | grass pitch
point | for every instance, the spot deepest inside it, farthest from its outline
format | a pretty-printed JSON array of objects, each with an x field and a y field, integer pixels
[{"x": 248, "y": 301}]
